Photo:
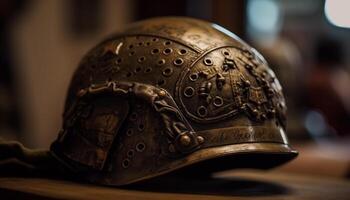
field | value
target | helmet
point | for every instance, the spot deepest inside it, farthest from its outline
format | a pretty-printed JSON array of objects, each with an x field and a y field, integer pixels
[{"x": 171, "y": 93}]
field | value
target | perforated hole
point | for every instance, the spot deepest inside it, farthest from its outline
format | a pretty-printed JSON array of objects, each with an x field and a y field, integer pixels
[
  {"x": 161, "y": 62},
  {"x": 138, "y": 69},
  {"x": 189, "y": 92},
  {"x": 141, "y": 127},
  {"x": 167, "y": 43},
  {"x": 131, "y": 46},
  {"x": 167, "y": 51},
  {"x": 126, "y": 163},
  {"x": 141, "y": 59},
  {"x": 129, "y": 132},
  {"x": 167, "y": 71},
  {"x": 155, "y": 51},
  {"x": 202, "y": 111},
  {"x": 155, "y": 39},
  {"x": 148, "y": 43},
  {"x": 119, "y": 60},
  {"x": 178, "y": 61},
  {"x": 194, "y": 77},
  {"x": 148, "y": 70},
  {"x": 130, "y": 153},
  {"x": 140, "y": 147},
  {"x": 183, "y": 51},
  {"x": 226, "y": 53},
  {"x": 161, "y": 82},
  {"x": 140, "y": 43},
  {"x": 128, "y": 74},
  {"x": 208, "y": 61},
  {"x": 132, "y": 53}
]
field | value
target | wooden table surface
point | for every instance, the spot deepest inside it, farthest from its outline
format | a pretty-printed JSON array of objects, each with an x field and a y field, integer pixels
[{"x": 229, "y": 185}]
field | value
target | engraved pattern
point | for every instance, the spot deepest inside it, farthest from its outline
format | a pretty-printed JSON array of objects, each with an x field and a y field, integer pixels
[
  {"x": 164, "y": 94},
  {"x": 229, "y": 81}
]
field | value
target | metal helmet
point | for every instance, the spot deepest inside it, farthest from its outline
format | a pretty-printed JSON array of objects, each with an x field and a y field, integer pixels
[{"x": 171, "y": 93}]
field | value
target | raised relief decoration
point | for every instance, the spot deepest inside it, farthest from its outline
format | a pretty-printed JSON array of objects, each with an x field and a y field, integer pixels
[{"x": 227, "y": 82}]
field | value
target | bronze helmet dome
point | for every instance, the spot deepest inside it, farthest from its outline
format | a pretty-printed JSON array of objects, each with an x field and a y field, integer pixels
[{"x": 171, "y": 93}]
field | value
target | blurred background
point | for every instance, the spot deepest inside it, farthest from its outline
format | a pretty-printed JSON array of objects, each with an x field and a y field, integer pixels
[{"x": 307, "y": 43}]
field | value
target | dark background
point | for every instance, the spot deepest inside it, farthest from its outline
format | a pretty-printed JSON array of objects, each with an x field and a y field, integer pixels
[{"x": 42, "y": 41}]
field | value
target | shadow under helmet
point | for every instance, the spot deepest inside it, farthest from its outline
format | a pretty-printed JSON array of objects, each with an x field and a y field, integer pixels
[{"x": 171, "y": 93}]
